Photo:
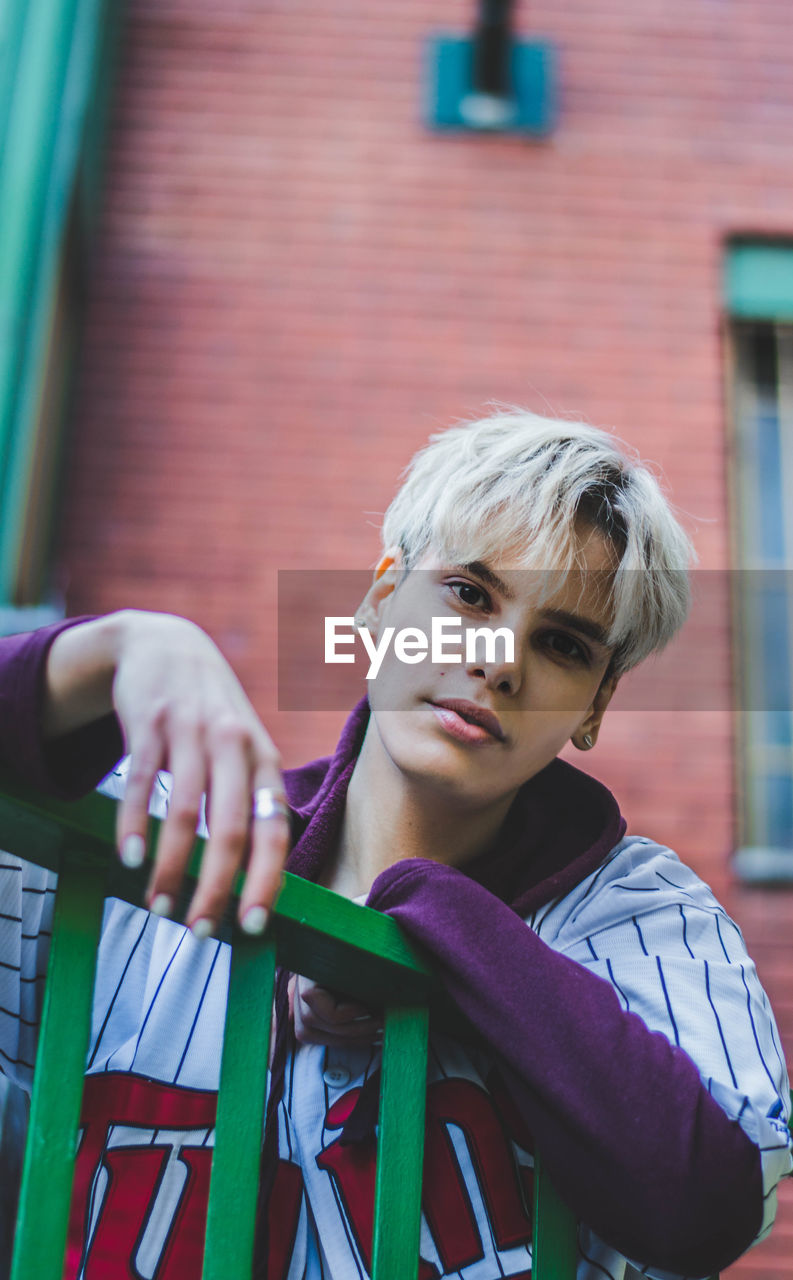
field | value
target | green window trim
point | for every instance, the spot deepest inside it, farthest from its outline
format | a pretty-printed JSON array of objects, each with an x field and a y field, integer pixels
[{"x": 758, "y": 281}]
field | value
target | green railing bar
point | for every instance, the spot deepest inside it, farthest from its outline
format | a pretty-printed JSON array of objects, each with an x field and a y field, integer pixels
[
  {"x": 554, "y": 1249},
  {"x": 234, "y": 1184},
  {"x": 326, "y": 937},
  {"x": 58, "y": 1080},
  {"x": 400, "y": 1145}
]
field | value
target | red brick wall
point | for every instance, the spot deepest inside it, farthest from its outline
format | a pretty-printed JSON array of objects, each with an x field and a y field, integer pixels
[{"x": 295, "y": 282}]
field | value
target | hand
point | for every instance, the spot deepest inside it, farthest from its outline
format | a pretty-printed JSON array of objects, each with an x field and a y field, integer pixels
[
  {"x": 323, "y": 1017},
  {"x": 181, "y": 708}
]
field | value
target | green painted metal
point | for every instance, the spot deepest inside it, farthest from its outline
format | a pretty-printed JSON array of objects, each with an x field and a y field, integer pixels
[
  {"x": 327, "y": 938},
  {"x": 554, "y": 1251},
  {"x": 400, "y": 1145},
  {"x": 58, "y": 1081},
  {"x": 314, "y": 931},
  {"x": 758, "y": 281},
  {"x": 234, "y": 1184}
]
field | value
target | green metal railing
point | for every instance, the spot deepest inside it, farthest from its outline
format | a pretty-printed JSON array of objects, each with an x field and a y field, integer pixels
[{"x": 314, "y": 932}]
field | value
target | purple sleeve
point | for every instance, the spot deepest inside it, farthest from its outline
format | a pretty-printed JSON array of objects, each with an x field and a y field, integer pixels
[
  {"x": 632, "y": 1139},
  {"x": 67, "y": 766}
]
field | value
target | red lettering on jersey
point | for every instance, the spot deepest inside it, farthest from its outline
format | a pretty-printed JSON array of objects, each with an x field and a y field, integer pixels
[
  {"x": 468, "y": 1106},
  {"x": 283, "y": 1215},
  {"x": 445, "y": 1201},
  {"x": 118, "y": 1098},
  {"x": 113, "y": 1247},
  {"x": 135, "y": 1176},
  {"x": 352, "y": 1166},
  {"x": 339, "y": 1112}
]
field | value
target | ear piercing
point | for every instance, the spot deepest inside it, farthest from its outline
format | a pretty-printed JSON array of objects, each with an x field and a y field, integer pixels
[{"x": 588, "y": 741}]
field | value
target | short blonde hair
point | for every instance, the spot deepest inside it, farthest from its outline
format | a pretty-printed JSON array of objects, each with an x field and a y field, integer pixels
[{"x": 521, "y": 483}]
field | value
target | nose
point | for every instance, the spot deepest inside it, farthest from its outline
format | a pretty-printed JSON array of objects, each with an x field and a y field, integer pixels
[{"x": 491, "y": 661}]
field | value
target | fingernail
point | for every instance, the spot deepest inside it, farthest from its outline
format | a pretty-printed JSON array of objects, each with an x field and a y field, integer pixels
[
  {"x": 255, "y": 920},
  {"x": 162, "y": 905},
  {"x": 133, "y": 851},
  {"x": 202, "y": 928}
]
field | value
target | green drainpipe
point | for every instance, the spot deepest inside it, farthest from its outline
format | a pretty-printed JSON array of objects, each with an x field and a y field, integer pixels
[{"x": 53, "y": 63}]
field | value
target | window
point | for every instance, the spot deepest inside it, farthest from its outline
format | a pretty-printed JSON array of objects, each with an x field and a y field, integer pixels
[{"x": 760, "y": 299}]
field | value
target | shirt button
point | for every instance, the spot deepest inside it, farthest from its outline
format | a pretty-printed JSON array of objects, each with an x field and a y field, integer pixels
[{"x": 336, "y": 1077}]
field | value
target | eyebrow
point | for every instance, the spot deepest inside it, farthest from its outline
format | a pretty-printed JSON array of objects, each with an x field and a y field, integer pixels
[
  {"x": 578, "y": 622},
  {"x": 481, "y": 570}
]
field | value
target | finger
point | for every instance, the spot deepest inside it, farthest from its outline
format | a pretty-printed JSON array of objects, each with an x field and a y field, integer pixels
[
  {"x": 227, "y": 845},
  {"x": 331, "y": 1008},
  {"x": 132, "y": 822},
  {"x": 178, "y": 831},
  {"x": 307, "y": 1032},
  {"x": 311, "y": 1027},
  {"x": 312, "y": 1030},
  {"x": 270, "y": 838}
]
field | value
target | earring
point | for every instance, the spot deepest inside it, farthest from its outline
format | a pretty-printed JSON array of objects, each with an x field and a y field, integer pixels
[{"x": 588, "y": 742}]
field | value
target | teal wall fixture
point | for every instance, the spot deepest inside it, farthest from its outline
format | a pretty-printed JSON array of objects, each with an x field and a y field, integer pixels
[
  {"x": 453, "y": 102},
  {"x": 55, "y": 60}
]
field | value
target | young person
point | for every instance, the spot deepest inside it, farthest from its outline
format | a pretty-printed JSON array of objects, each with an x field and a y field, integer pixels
[{"x": 619, "y": 1021}]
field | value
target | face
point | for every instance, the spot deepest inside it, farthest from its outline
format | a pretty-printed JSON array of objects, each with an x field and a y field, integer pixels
[{"x": 478, "y": 729}]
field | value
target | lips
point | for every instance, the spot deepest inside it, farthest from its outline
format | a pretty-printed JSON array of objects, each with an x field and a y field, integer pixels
[{"x": 472, "y": 713}]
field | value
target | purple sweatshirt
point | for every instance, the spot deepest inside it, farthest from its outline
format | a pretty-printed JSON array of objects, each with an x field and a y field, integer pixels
[{"x": 631, "y": 1137}]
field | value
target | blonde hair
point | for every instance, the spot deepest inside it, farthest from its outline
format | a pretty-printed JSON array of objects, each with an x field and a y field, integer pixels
[{"x": 521, "y": 483}]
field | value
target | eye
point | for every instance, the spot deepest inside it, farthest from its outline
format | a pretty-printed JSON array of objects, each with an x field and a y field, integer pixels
[
  {"x": 566, "y": 646},
  {"x": 470, "y": 595}
]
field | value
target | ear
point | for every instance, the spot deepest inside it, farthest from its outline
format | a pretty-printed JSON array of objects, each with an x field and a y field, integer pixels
[
  {"x": 385, "y": 579},
  {"x": 586, "y": 735}
]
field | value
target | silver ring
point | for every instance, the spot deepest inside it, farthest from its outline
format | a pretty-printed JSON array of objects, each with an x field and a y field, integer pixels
[{"x": 270, "y": 802}]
